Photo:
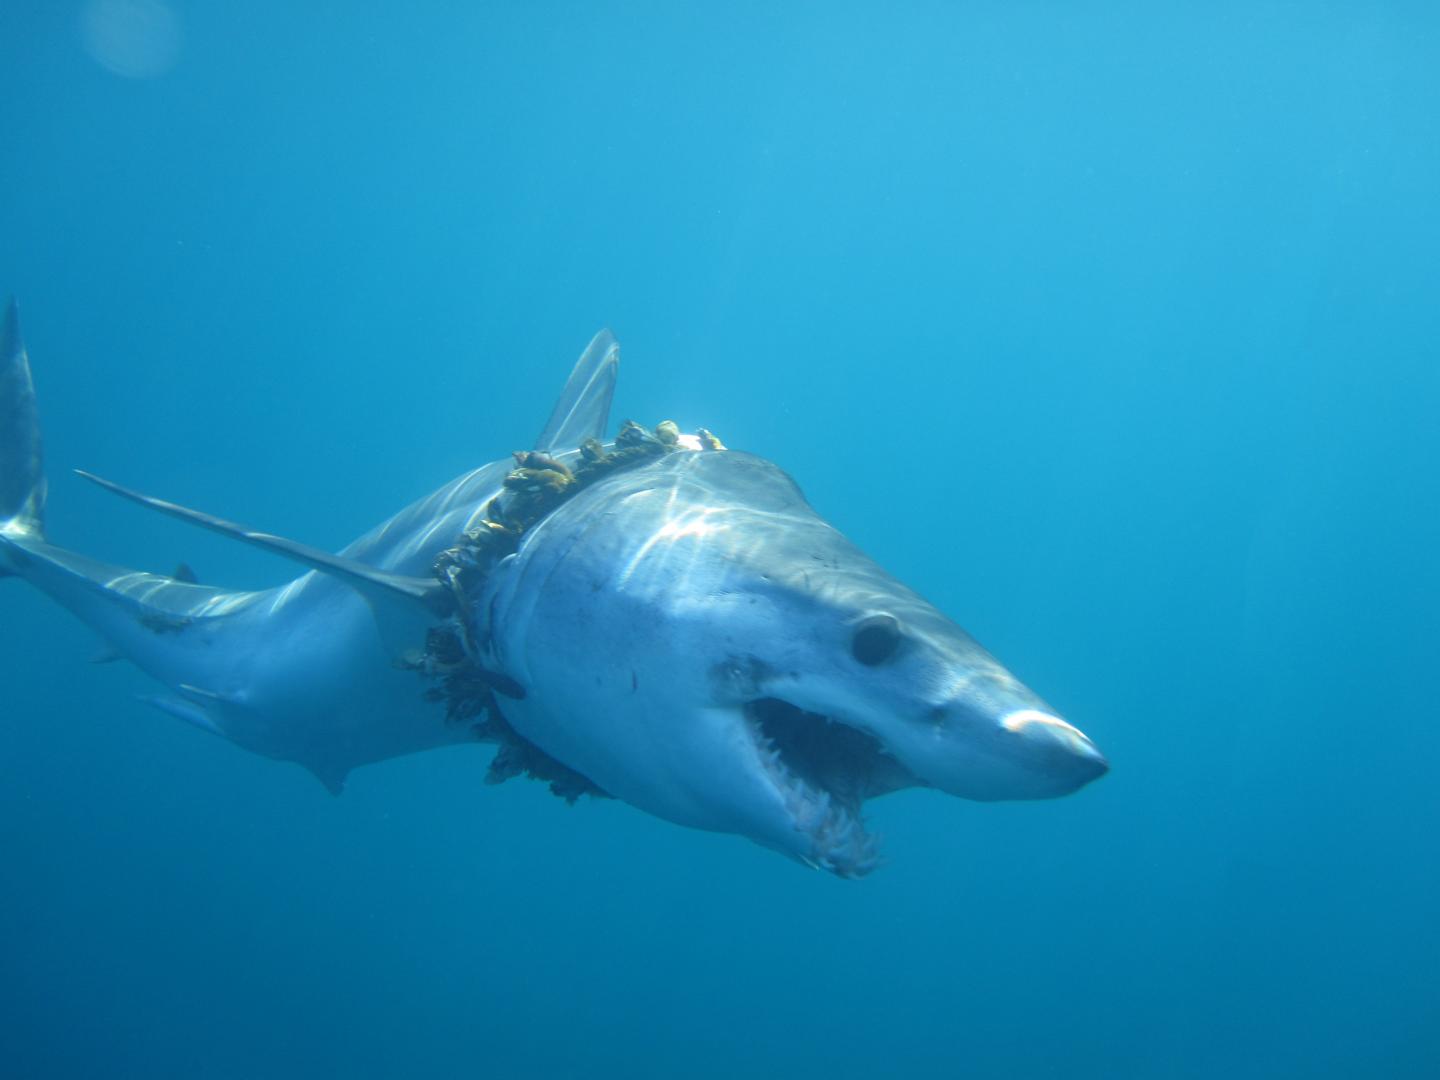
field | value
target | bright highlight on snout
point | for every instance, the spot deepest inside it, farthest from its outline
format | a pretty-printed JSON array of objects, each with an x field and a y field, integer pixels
[
  {"x": 1059, "y": 750},
  {"x": 1019, "y": 720}
]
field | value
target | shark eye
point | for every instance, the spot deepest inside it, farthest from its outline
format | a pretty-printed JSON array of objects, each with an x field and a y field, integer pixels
[{"x": 876, "y": 639}]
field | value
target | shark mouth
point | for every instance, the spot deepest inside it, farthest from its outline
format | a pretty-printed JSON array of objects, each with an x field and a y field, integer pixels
[{"x": 825, "y": 770}]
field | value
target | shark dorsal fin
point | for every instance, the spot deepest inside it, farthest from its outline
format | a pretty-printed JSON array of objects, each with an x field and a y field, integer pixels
[
  {"x": 584, "y": 406},
  {"x": 367, "y": 580}
]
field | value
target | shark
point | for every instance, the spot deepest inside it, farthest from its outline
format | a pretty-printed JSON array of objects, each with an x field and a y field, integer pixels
[{"x": 657, "y": 619}]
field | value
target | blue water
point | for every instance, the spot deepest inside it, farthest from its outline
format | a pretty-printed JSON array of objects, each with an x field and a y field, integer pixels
[{"x": 1113, "y": 328}]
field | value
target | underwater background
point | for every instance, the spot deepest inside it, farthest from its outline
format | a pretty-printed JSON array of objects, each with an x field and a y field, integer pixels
[{"x": 1113, "y": 328}]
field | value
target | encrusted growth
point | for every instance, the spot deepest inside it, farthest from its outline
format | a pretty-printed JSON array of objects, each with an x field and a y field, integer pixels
[
  {"x": 451, "y": 658},
  {"x": 539, "y": 484}
]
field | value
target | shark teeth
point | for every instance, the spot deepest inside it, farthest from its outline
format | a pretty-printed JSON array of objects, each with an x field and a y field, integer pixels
[{"x": 839, "y": 842}]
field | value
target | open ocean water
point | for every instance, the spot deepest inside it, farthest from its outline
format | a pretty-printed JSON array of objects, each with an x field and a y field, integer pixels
[{"x": 1112, "y": 328}]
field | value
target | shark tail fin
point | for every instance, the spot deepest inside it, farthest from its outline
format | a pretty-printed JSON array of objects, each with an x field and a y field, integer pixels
[{"x": 22, "y": 471}]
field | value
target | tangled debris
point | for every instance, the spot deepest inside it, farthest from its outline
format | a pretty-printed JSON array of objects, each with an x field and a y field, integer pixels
[{"x": 538, "y": 485}]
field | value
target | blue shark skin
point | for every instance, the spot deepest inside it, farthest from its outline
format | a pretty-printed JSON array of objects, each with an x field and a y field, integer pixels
[{"x": 686, "y": 635}]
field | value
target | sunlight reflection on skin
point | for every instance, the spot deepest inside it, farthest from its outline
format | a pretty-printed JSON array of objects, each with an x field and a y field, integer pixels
[{"x": 694, "y": 523}]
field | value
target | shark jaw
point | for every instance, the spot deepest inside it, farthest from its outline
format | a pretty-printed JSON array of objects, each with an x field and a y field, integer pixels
[{"x": 823, "y": 770}]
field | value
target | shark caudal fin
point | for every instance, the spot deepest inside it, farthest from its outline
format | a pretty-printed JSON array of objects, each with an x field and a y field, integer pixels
[
  {"x": 22, "y": 469},
  {"x": 142, "y": 617}
]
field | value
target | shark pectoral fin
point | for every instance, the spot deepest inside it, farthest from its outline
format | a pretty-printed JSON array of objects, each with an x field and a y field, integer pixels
[
  {"x": 106, "y": 654},
  {"x": 584, "y": 406},
  {"x": 367, "y": 580},
  {"x": 199, "y": 695},
  {"x": 332, "y": 778},
  {"x": 184, "y": 710}
]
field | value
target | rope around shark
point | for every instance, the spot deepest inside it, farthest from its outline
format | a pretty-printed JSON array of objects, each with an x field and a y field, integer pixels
[{"x": 539, "y": 484}]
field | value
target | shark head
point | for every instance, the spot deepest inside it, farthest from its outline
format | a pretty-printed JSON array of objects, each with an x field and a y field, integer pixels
[{"x": 692, "y": 637}]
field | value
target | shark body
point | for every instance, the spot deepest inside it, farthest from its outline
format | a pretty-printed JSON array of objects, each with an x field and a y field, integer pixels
[{"x": 684, "y": 634}]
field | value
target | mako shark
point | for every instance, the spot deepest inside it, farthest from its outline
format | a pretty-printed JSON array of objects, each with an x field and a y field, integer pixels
[{"x": 658, "y": 619}]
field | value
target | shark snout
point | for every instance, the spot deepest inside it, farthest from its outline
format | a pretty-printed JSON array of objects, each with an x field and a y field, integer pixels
[
  {"x": 1059, "y": 756},
  {"x": 1020, "y": 750}
]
